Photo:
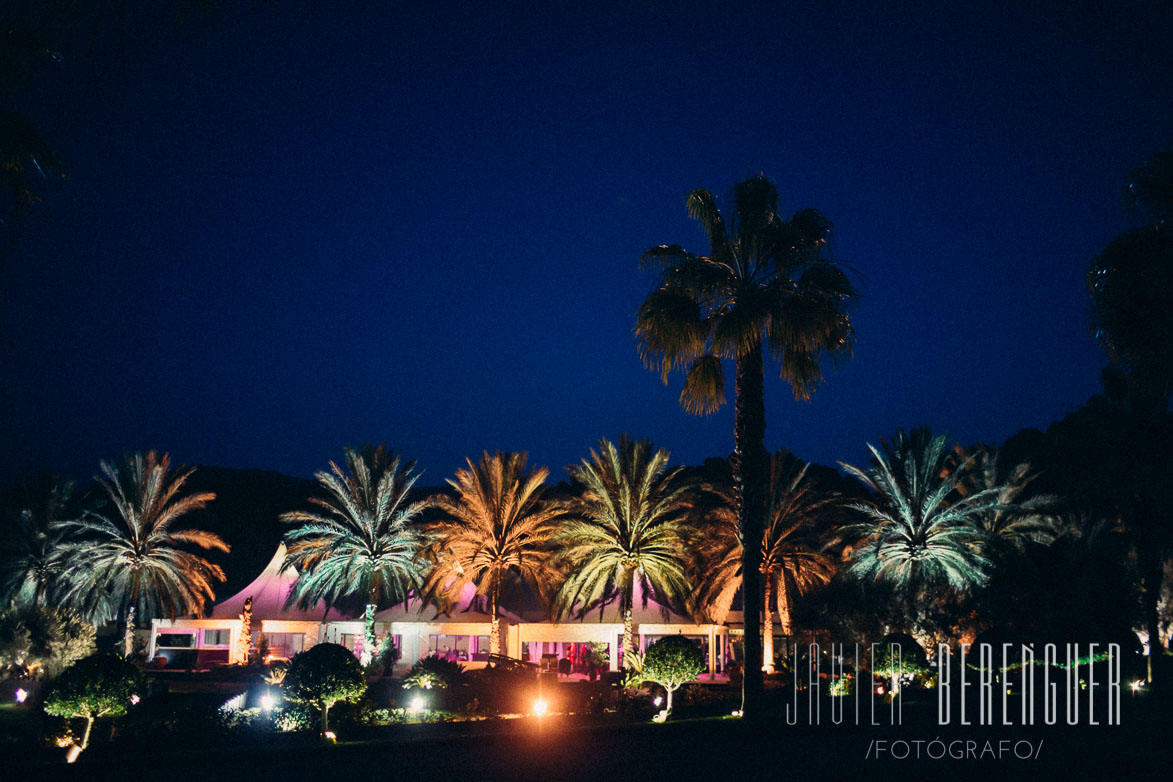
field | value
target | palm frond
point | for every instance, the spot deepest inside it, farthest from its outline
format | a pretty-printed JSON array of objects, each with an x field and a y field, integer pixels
[
  {"x": 495, "y": 531},
  {"x": 360, "y": 541},
  {"x": 629, "y": 520},
  {"x": 919, "y": 530},
  {"x": 765, "y": 279},
  {"x": 704, "y": 386},
  {"x": 126, "y": 557}
]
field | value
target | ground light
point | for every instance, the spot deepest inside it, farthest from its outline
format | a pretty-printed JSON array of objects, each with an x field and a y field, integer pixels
[
  {"x": 268, "y": 702},
  {"x": 415, "y": 705},
  {"x": 22, "y": 695},
  {"x": 330, "y": 736},
  {"x": 540, "y": 707}
]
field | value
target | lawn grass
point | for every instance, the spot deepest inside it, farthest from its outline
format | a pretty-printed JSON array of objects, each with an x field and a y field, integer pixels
[
  {"x": 19, "y": 724},
  {"x": 610, "y": 747}
]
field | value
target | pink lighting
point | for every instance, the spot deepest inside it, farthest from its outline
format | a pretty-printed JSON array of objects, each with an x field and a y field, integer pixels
[{"x": 21, "y": 695}]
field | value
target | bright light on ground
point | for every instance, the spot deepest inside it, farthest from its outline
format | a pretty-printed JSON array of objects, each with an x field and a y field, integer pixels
[
  {"x": 540, "y": 707},
  {"x": 268, "y": 702},
  {"x": 416, "y": 704},
  {"x": 21, "y": 695},
  {"x": 1136, "y": 685}
]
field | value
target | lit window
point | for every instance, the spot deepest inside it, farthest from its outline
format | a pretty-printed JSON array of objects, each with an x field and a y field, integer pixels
[{"x": 216, "y": 637}]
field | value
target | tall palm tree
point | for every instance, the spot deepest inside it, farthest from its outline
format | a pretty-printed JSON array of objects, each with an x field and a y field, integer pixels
[
  {"x": 1020, "y": 515},
  {"x": 627, "y": 531},
  {"x": 793, "y": 557},
  {"x": 358, "y": 539},
  {"x": 765, "y": 284},
  {"x": 495, "y": 532},
  {"x": 34, "y": 563},
  {"x": 126, "y": 560},
  {"x": 919, "y": 531}
]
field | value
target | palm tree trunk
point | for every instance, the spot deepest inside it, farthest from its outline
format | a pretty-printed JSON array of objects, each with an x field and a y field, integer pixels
[
  {"x": 628, "y": 635},
  {"x": 784, "y": 607},
  {"x": 128, "y": 636},
  {"x": 1151, "y": 574},
  {"x": 368, "y": 640},
  {"x": 495, "y": 627},
  {"x": 750, "y": 461},
  {"x": 246, "y": 633},
  {"x": 768, "y": 624},
  {"x": 626, "y": 600},
  {"x": 85, "y": 739}
]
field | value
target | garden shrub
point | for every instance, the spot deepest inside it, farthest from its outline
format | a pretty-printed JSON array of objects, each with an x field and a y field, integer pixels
[
  {"x": 909, "y": 660},
  {"x": 670, "y": 662},
  {"x": 96, "y": 686},
  {"x": 434, "y": 672},
  {"x": 294, "y": 717},
  {"x": 322, "y": 676},
  {"x": 48, "y": 638}
]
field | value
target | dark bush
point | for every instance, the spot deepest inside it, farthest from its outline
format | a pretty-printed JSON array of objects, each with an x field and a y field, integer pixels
[
  {"x": 434, "y": 672},
  {"x": 322, "y": 676}
]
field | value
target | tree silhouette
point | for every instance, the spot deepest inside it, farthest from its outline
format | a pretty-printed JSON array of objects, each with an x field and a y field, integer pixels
[
  {"x": 793, "y": 560},
  {"x": 766, "y": 284}
]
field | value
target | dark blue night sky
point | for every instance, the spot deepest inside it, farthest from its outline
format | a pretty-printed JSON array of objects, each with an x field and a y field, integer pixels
[{"x": 293, "y": 228}]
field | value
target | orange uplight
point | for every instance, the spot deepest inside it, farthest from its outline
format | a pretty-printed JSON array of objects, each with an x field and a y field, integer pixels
[{"x": 540, "y": 707}]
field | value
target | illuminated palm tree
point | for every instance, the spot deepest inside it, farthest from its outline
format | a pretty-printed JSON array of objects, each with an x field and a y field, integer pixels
[
  {"x": 1018, "y": 516},
  {"x": 358, "y": 539},
  {"x": 765, "y": 285},
  {"x": 494, "y": 534},
  {"x": 34, "y": 562},
  {"x": 793, "y": 557},
  {"x": 919, "y": 531},
  {"x": 126, "y": 561},
  {"x": 627, "y": 531}
]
